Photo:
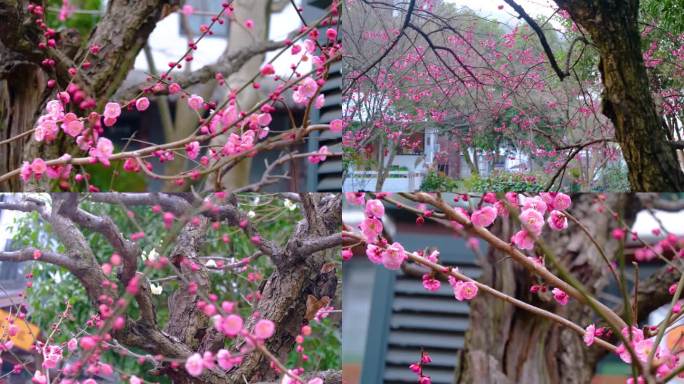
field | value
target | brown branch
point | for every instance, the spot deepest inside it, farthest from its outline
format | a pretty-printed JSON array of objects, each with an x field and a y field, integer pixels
[
  {"x": 174, "y": 203},
  {"x": 226, "y": 66},
  {"x": 313, "y": 245},
  {"x": 542, "y": 38},
  {"x": 46, "y": 256},
  {"x": 515, "y": 254},
  {"x": 128, "y": 250},
  {"x": 656, "y": 201},
  {"x": 267, "y": 177}
]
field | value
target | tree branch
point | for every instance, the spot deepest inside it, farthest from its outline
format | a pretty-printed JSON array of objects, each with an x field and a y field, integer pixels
[
  {"x": 169, "y": 202},
  {"x": 656, "y": 201},
  {"x": 313, "y": 245},
  {"x": 542, "y": 38},
  {"x": 226, "y": 65},
  {"x": 128, "y": 250},
  {"x": 46, "y": 256}
]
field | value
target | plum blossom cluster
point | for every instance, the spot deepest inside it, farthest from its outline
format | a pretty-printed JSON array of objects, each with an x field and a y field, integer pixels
[
  {"x": 86, "y": 131},
  {"x": 531, "y": 216},
  {"x": 665, "y": 358},
  {"x": 72, "y": 112},
  {"x": 230, "y": 325},
  {"x": 378, "y": 98},
  {"x": 392, "y": 256},
  {"x": 417, "y": 368}
]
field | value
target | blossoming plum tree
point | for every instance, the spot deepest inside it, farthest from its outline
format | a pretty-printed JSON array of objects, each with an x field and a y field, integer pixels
[
  {"x": 538, "y": 311},
  {"x": 529, "y": 88},
  {"x": 57, "y": 102},
  {"x": 226, "y": 288}
]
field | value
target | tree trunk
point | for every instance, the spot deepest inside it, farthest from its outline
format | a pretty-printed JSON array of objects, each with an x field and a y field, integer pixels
[
  {"x": 284, "y": 297},
  {"x": 510, "y": 345},
  {"x": 20, "y": 98},
  {"x": 385, "y": 169},
  {"x": 627, "y": 99}
]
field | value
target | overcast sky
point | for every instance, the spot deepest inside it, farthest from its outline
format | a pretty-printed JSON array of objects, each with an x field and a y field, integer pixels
[{"x": 490, "y": 7}]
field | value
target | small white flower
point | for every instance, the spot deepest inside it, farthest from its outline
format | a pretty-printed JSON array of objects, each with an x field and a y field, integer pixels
[
  {"x": 251, "y": 214},
  {"x": 156, "y": 289},
  {"x": 153, "y": 255},
  {"x": 289, "y": 205},
  {"x": 211, "y": 263},
  {"x": 256, "y": 200}
]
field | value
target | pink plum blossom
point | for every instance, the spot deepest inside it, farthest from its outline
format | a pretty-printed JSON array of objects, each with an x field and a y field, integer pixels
[
  {"x": 112, "y": 110},
  {"x": 356, "y": 198},
  {"x": 142, "y": 104},
  {"x": 374, "y": 253},
  {"x": 374, "y": 208},
  {"x": 264, "y": 329},
  {"x": 430, "y": 283},
  {"x": 194, "y": 365},
  {"x": 557, "y": 220},
  {"x": 192, "y": 149},
  {"x": 39, "y": 378},
  {"x": 371, "y": 228},
  {"x": 463, "y": 290},
  {"x": 320, "y": 156},
  {"x": 560, "y": 296},
  {"x": 71, "y": 125},
  {"x": 320, "y": 101},
  {"x": 523, "y": 240},
  {"x": 267, "y": 70},
  {"x": 195, "y": 102},
  {"x": 561, "y": 201},
  {"x": 589, "y": 335},
  {"x": 224, "y": 359},
  {"x": 231, "y": 325},
  {"x": 394, "y": 256},
  {"x": 337, "y": 126},
  {"x": 38, "y": 168},
  {"x": 305, "y": 91},
  {"x": 532, "y": 220},
  {"x": 484, "y": 217},
  {"x": 103, "y": 150},
  {"x": 535, "y": 203}
]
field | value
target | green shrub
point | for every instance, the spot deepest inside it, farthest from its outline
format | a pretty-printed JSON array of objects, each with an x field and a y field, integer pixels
[
  {"x": 505, "y": 182},
  {"x": 436, "y": 181}
]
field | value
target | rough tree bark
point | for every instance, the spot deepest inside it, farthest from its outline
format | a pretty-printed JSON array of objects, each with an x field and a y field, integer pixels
[
  {"x": 627, "y": 99},
  {"x": 300, "y": 273},
  {"x": 510, "y": 345}
]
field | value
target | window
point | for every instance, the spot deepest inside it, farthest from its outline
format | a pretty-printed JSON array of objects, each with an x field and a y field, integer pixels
[{"x": 204, "y": 9}]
